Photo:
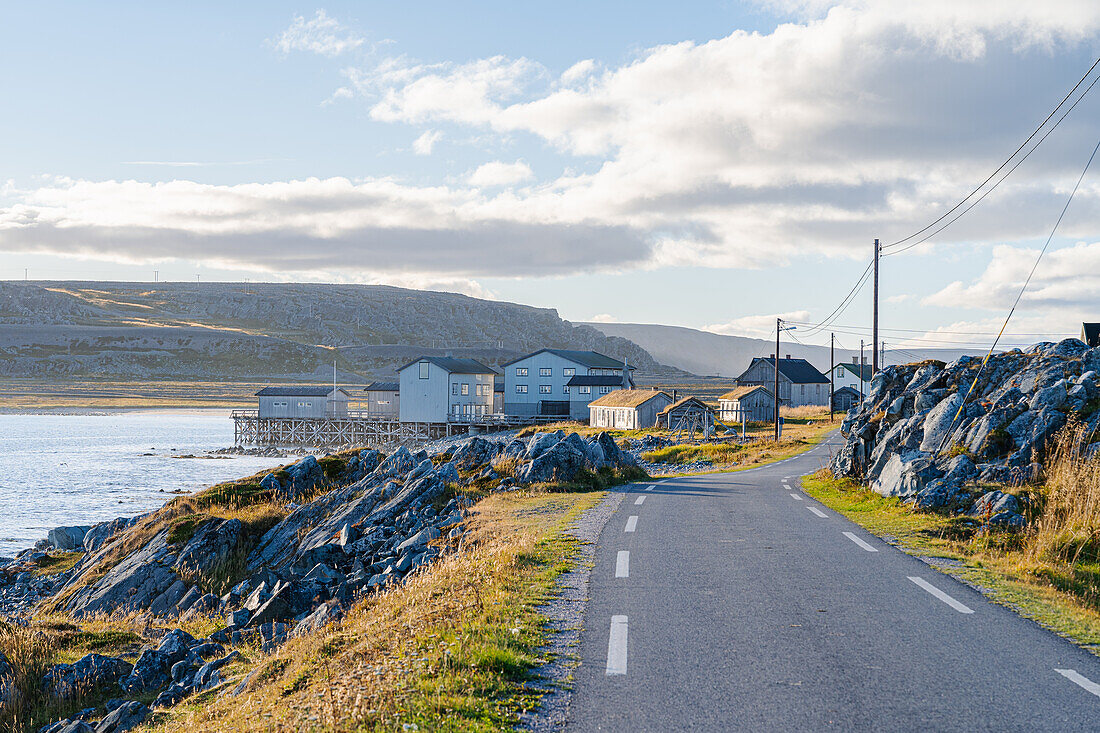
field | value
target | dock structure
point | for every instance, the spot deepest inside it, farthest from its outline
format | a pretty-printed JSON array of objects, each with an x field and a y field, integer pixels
[{"x": 361, "y": 429}]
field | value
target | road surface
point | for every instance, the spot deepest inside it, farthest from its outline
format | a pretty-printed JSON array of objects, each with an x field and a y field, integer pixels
[{"x": 735, "y": 602}]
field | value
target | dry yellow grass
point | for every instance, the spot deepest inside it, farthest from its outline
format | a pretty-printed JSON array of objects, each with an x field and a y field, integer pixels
[{"x": 1068, "y": 527}]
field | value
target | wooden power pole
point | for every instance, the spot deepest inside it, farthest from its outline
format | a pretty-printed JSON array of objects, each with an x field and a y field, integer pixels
[
  {"x": 861, "y": 372},
  {"x": 832, "y": 371},
  {"x": 775, "y": 384},
  {"x": 874, "y": 328}
]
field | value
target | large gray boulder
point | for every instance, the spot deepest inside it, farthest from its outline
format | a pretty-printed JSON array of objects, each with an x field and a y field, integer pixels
[
  {"x": 67, "y": 538},
  {"x": 131, "y": 585},
  {"x": 88, "y": 674},
  {"x": 125, "y": 717},
  {"x": 95, "y": 537},
  {"x": 562, "y": 462}
]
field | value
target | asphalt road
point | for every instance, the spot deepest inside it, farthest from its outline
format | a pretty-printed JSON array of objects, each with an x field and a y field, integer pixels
[{"x": 731, "y": 602}]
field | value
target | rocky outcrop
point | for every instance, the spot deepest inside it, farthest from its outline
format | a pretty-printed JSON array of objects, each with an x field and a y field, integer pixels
[{"x": 919, "y": 436}]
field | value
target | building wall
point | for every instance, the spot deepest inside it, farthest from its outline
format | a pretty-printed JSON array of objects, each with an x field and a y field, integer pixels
[
  {"x": 579, "y": 399},
  {"x": 424, "y": 400},
  {"x": 301, "y": 406},
  {"x": 384, "y": 404},
  {"x": 844, "y": 378},
  {"x": 628, "y": 418},
  {"x": 757, "y": 407},
  {"x": 809, "y": 394},
  {"x": 546, "y": 387}
]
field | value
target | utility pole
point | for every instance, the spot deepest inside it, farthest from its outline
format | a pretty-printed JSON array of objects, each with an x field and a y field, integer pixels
[
  {"x": 874, "y": 335},
  {"x": 775, "y": 384},
  {"x": 832, "y": 371},
  {"x": 861, "y": 372},
  {"x": 156, "y": 276},
  {"x": 882, "y": 361}
]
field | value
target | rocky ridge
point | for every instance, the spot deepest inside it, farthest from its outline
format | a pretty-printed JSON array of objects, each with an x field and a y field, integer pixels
[
  {"x": 382, "y": 519},
  {"x": 910, "y": 439}
]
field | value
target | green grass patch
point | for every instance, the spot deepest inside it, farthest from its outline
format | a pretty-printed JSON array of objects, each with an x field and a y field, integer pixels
[
  {"x": 717, "y": 453},
  {"x": 57, "y": 562},
  {"x": 182, "y": 529}
]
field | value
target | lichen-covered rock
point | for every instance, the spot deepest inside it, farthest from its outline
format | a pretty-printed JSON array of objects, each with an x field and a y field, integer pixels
[
  {"x": 87, "y": 674},
  {"x": 67, "y": 538}
]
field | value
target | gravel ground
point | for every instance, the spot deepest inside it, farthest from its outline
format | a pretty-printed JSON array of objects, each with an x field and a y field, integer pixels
[{"x": 565, "y": 614}]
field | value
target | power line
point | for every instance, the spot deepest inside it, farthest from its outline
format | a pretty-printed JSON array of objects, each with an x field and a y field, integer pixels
[
  {"x": 839, "y": 310},
  {"x": 933, "y": 331},
  {"x": 1002, "y": 165},
  {"x": 1019, "y": 296}
]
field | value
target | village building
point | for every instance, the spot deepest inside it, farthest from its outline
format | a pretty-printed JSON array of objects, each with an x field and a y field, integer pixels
[
  {"x": 628, "y": 409},
  {"x": 302, "y": 402},
  {"x": 750, "y": 403},
  {"x": 848, "y": 375},
  {"x": 845, "y": 399},
  {"x": 498, "y": 395},
  {"x": 445, "y": 389},
  {"x": 688, "y": 413},
  {"x": 800, "y": 383},
  {"x": 544, "y": 383},
  {"x": 381, "y": 400}
]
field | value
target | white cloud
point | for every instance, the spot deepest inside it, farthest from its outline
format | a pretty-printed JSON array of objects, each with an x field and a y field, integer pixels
[
  {"x": 320, "y": 35},
  {"x": 603, "y": 318},
  {"x": 756, "y": 326},
  {"x": 423, "y": 145},
  {"x": 497, "y": 173}
]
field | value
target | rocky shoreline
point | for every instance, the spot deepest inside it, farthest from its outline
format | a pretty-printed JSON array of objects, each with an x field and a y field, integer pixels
[
  {"x": 910, "y": 438},
  {"x": 351, "y": 524}
]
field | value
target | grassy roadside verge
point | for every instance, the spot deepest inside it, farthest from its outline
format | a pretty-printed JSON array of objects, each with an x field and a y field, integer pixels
[{"x": 996, "y": 563}]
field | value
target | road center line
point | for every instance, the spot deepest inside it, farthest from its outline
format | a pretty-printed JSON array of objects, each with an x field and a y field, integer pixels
[
  {"x": 940, "y": 594},
  {"x": 860, "y": 542},
  {"x": 616, "y": 646},
  {"x": 796, "y": 497},
  {"x": 622, "y": 564},
  {"x": 650, "y": 487},
  {"x": 631, "y": 523},
  {"x": 1080, "y": 680},
  {"x": 818, "y": 512},
  {"x": 639, "y": 500}
]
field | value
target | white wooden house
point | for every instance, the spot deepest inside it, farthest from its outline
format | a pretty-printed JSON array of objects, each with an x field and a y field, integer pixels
[
  {"x": 302, "y": 402},
  {"x": 800, "y": 383},
  {"x": 546, "y": 382},
  {"x": 628, "y": 409},
  {"x": 445, "y": 389},
  {"x": 848, "y": 375},
  {"x": 750, "y": 403}
]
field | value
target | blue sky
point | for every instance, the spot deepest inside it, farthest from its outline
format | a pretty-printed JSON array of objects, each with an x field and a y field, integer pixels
[{"x": 699, "y": 164}]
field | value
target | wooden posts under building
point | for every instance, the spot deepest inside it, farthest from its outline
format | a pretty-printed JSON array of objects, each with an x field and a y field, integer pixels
[{"x": 357, "y": 430}]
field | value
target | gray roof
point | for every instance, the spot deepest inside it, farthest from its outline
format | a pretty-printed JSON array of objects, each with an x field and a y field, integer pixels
[
  {"x": 799, "y": 371},
  {"x": 303, "y": 391},
  {"x": 854, "y": 369},
  {"x": 595, "y": 380},
  {"x": 453, "y": 366},
  {"x": 591, "y": 359},
  {"x": 383, "y": 387}
]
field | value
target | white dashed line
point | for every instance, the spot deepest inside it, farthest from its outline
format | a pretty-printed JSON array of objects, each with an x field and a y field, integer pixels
[
  {"x": 1080, "y": 680},
  {"x": 796, "y": 497},
  {"x": 649, "y": 488},
  {"x": 639, "y": 500},
  {"x": 622, "y": 564},
  {"x": 616, "y": 646},
  {"x": 860, "y": 542},
  {"x": 631, "y": 523},
  {"x": 818, "y": 512},
  {"x": 940, "y": 594}
]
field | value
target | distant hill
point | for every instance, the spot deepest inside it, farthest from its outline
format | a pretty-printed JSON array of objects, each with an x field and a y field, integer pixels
[
  {"x": 705, "y": 353},
  {"x": 237, "y": 331}
]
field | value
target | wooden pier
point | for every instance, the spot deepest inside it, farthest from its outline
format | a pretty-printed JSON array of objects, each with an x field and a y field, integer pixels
[{"x": 361, "y": 429}]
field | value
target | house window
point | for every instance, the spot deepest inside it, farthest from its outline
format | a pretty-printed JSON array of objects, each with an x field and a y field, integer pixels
[
  {"x": 544, "y": 389},
  {"x": 521, "y": 389},
  {"x": 568, "y": 372},
  {"x": 424, "y": 370},
  {"x": 565, "y": 389},
  {"x": 454, "y": 388},
  {"x": 546, "y": 372},
  {"x": 465, "y": 389},
  {"x": 586, "y": 390},
  {"x": 605, "y": 390},
  {"x": 521, "y": 371},
  {"x": 840, "y": 371}
]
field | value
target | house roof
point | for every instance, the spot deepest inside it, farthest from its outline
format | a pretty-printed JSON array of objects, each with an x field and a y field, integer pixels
[
  {"x": 383, "y": 387},
  {"x": 591, "y": 359},
  {"x": 685, "y": 401},
  {"x": 846, "y": 390},
  {"x": 301, "y": 391},
  {"x": 798, "y": 371},
  {"x": 452, "y": 365},
  {"x": 854, "y": 369},
  {"x": 595, "y": 380},
  {"x": 628, "y": 398},
  {"x": 738, "y": 393}
]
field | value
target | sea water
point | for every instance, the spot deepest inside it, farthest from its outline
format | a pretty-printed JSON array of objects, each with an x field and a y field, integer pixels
[{"x": 81, "y": 469}]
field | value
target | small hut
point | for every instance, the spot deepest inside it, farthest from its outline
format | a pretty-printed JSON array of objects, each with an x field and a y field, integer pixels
[
  {"x": 688, "y": 413},
  {"x": 750, "y": 403},
  {"x": 627, "y": 409}
]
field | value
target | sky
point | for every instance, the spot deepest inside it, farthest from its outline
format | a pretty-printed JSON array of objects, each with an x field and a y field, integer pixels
[{"x": 711, "y": 165}]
